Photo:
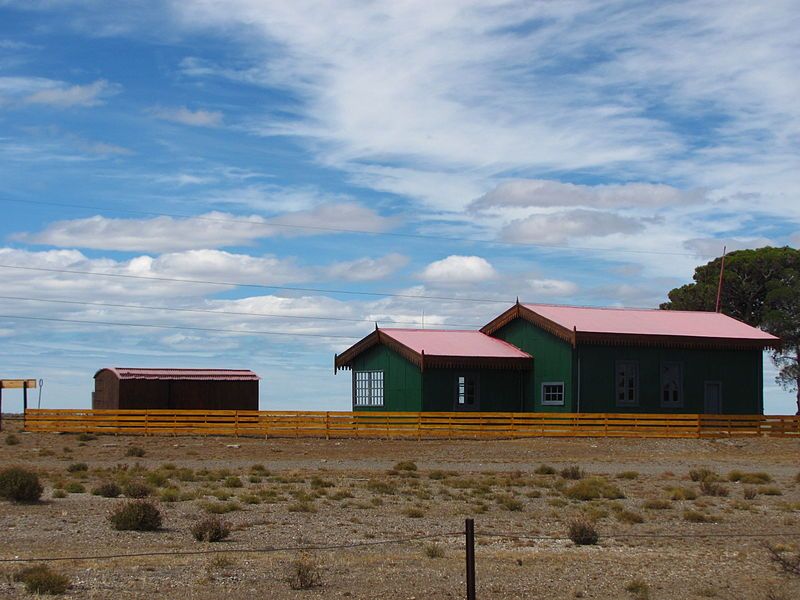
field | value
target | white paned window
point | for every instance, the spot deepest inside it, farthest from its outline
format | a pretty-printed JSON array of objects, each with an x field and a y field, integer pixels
[
  {"x": 466, "y": 391},
  {"x": 553, "y": 393},
  {"x": 368, "y": 388},
  {"x": 627, "y": 383},
  {"x": 671, "y": 385}
]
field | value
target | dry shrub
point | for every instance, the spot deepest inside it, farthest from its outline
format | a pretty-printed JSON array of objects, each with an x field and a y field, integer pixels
[
  {"x": 78, "y": 468},
  {"x": 710, "y": 488},
  {"x": 593, "y": 489},
  {"x": 233, "y": 482},
  {"x": 381, "y": 487},
  {"x": 770, "y": 490},
  {"x": 628, "y": 516},
  {"x": 434, "y": 551},
  {"x": 73, "y": 487},
  {"x": 20, "y": 485},
  {"x": 220, "y": 508},
  {"x": 136, "y": 515},
  {"x": 628, "y": 475},
  {"x": 405, "y": 465},
  {"x": 86, "y": 437},
  {"x": 749, "y": 493},
  {"x": 11, "y": 440},
  {"x": 638, "y": 588},
  {"x": 107, "y": 490},
  {"x": 582, "y": 532},
  {"x": 304, "y": 573},
  {"x": 135, "y": 451},
  {"x": 572, "y": 472},
  {"x": 703, "y": 475},
  {"x": 656, "y": 504},
  {"x": 414, "y": 513},
  {"x": 545, "y": 470},
  {"x": 41, "y": 579},
  {"x": 682, "y": 493},
  {"x": 694, "y": 516},
  {"x": 137, "y": 489},
  {"x": 211, "y": 529},
  {"x": 751, "y": 478}
]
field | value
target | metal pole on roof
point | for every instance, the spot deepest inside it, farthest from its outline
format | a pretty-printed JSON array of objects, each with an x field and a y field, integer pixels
[{"x": 719, "y": 285}]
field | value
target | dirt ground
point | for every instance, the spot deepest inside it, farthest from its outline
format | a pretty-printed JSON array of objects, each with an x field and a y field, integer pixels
[{"x": 310, "y": 492}]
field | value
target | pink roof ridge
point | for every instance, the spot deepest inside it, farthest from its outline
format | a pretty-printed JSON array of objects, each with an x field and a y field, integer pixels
[
  {"x": 454, "y": 342},
  {"x": 643, "y": 321}
]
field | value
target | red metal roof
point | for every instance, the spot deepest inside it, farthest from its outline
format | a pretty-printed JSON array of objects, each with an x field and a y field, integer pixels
[
  {"x": 448, "y": 342},
  {"x": 634, "y": 321},
  {"x": 184, "y": 374}
]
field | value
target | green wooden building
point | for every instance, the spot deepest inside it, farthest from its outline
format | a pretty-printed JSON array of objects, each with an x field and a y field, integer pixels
[{"x": 537, "y": 357}]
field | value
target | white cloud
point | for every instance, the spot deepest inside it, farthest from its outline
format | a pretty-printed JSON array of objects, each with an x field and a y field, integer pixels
[
  {"x": 707, "y": 248},
  {"x": 525, "y": 193},
  {"x": 210, "y": 230},
  {"x": 187, "y": 116},
  {"x": 563, "y": 226},
  {"x": 51, "y": 92},
  {"x": 459, "y": 269},
  {"x": 367, "y": 269},
  {"x": 551, "y": 288}
]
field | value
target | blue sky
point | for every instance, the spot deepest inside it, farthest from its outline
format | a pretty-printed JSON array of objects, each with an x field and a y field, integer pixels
[{"x": 569, "y": 152}]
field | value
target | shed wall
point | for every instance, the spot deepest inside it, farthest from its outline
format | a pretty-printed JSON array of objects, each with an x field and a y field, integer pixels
[
  {"x": 188, "y": 395},
  {"x": 498, "y": 390}
]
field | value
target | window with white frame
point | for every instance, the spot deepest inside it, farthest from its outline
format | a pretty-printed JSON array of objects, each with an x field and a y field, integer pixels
[
  {"x": 627, "y": 383},
  {"x": 671, "y": 385},
  {"x": 466, "y": 391},
  {"x": 553, "y": 393},
  {"x": 368, "y": 388}
]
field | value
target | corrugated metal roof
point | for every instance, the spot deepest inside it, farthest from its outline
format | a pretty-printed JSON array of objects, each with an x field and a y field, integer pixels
[
  {"x": 633, "y": 321},
  {"x": 456, "y": 343},
  {"x": 184, "y": 374}
]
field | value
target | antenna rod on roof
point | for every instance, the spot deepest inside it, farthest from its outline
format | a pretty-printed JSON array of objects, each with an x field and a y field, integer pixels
[{"x": 721, "y": 271}]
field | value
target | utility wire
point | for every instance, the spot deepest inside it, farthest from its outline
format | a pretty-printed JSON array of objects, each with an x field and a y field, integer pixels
[
  {"x": 420, "y": 236},
  {"x": 256, "y": 285},
  {"x": 227, "y": 312},
  {"x": 153, "y": 326}
]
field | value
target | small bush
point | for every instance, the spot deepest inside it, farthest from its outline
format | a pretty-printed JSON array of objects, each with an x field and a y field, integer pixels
[
  {"x": 545, "y": 470},
  {"x": 572, "y": 472},
  {"x": 710, "y": 488},
  {"x": 20, "y": 485},
  {"x": 381, "y": 487},
  {"x": 220, "y": 508},
  {"x": 434, "y": 551},
  {"x": 260, "y": 469},
  {"x": 749, "y": 493},
  {"x": 211, "y": 529},
  {"x": 40, "y": 579},
  {"x": 628, "y": 516},
  {"x": 156, "y": 478},
  {"x": 437, "y": 475},
  {"x": 135, "y": 451},
  {"x": 319, "y": 483},
  {"x": 136, "y": 515},
  {"x": 770, "y": 490},
  {"x": 582, "y": 532},
  {"x": 592, "y": 489},
  {"x": 656, "y": 504},
  {"x": 304, "y": 573},
  {"x": 638, "y": 589},
  {"x": 86, "y": 437},
  {"x": 682, "y": 493},
  {"x": 414, "y": 513},
  {"x": 301, "y": 506},
  {"x": 170, "y": 494},
  {"x": 73, "y": 487},
  {"x": 628, "y": 475},
  {"x": 703, "y": 475},
  {"x": 59, "y": 494},
  {"x": 751, "y": 478},
  {"x": 78, "y": 468},
  {"x": 11, "y": 440},
  {"x": 107, "y": 490},
  {"x": 406, "y": 465},
  {"x": 137, "y": 489},
  {"x": 509, "y": 503},
  {"x": 233, "y": 482},
  {"x": 694, "y": 516}
]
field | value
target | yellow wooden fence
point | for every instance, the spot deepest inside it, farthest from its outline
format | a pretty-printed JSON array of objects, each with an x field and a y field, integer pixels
[{"x": 408, "y": 425}]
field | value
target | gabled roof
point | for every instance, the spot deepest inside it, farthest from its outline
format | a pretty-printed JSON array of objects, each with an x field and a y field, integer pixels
[
  {"x": 182, "y": 374},
  {"x": 441, "y": 348},
  {"x": 576, "y": 324}
]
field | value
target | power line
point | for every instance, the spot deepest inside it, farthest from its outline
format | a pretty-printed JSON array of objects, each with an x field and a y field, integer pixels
[
  {"x": 420, "y": 236},
  {"x": 227, "y": 312},
  {"x": 153, "y": 326},
  {"x": 256, "y": 285}
]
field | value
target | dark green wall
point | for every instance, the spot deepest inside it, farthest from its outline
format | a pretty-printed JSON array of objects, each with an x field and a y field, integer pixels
[
  {"x": 740, "y": 372},
  {"x": 498, "y": 390},
  {"x": 552, "y": 361},
  {"x": 402, "y": 380}
]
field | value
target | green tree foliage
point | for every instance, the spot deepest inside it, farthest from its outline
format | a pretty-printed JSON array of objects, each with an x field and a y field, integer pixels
[{"x": 760, "y": 287}]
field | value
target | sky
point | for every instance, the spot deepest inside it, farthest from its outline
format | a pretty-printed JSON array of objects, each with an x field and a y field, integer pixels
[{"x": 255, "y": 184}]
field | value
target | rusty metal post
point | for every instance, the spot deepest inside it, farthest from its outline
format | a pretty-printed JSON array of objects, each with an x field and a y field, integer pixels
[{"x": 469, "y": 532}]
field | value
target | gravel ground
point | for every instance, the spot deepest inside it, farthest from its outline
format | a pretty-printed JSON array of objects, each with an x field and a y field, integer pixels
[{"x": 352, "y": 496}]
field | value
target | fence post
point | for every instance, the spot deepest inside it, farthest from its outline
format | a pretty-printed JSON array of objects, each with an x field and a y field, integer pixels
[
  {"x": 327, "y": 425},
  {"x": 469, "y": 532}
]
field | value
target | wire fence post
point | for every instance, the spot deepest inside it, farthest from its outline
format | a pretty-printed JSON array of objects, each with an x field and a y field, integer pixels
[{"x": 469, "y": 532}]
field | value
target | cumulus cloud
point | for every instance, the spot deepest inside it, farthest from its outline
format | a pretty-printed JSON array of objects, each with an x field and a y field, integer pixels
[
  {"x": 526, "y": 193},
  {"x": 209, "y": 230},
  {"x": 559, "y": 227},
  {"x": 51, "y": 92},
  {"x": 459, "y": 269},
  {"x": 707, "y": 248},
  {"x": 187, "y": 116},
  {"x": 366, "y": 269}
]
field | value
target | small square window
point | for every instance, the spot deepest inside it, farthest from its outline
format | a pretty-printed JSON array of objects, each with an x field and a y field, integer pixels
[{"x": 553, "y": 393}]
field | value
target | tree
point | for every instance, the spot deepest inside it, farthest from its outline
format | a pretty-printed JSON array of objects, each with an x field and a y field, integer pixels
[{"x": 760, "y": 287}]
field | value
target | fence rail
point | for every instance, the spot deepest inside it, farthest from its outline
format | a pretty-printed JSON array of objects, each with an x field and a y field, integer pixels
[{"x": 407, "y": 425}]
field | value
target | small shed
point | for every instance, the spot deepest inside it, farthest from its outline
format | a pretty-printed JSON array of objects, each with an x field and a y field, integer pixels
[{"x": 175, "y": 389}]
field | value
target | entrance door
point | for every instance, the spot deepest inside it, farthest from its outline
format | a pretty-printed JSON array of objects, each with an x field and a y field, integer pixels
[
  {"x": 467, "y": 392},
  {"x": 712, "y": 398}
]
